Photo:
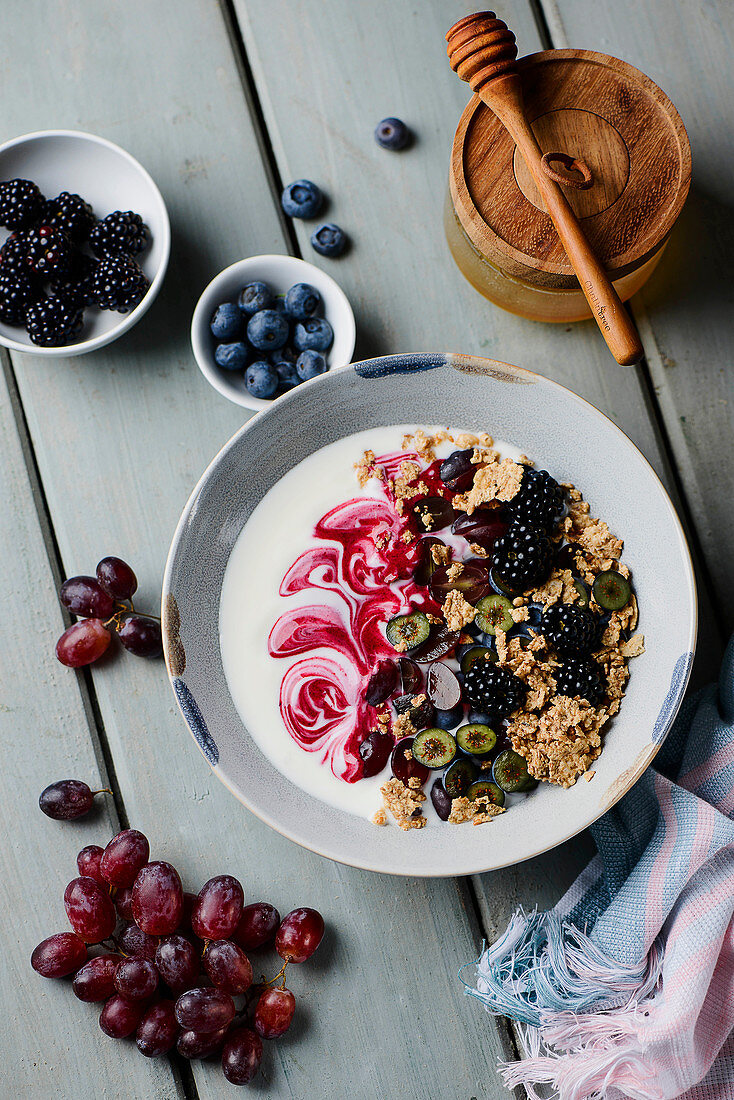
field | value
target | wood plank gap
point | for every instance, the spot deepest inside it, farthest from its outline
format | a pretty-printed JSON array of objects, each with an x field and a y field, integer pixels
[
  {"x": 249, "y": 87},
  {"x": 546, "y": 38},
  {"x": 86, "y": 685}
]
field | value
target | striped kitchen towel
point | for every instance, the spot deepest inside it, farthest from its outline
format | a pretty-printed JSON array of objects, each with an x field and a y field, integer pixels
[{"x": 626, "y": 988}]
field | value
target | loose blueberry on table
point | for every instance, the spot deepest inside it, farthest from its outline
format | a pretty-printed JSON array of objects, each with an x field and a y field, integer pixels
[
  {"x": 392, "y": 134},
  {"x": 329, "y": 240},
  {"x": 174, "y": 964},
  {"x": 302, "y": 199},
  {"x": 495, "y": 620},
  {"x": 275, "y": 342},
  {"x": 47, "y": 280}
]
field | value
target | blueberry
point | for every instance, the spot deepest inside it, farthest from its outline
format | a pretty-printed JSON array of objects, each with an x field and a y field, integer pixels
[
  {"x": 231, "y": 356},
  {"x": 309, "y": 364},
  {"x": 301, "y": 301},
  {"x": 478, "y": 717},
  {"x": 449, "y": 719},
  {"x": 261, "y": 379},
  {"x": 285, "y": 355},
  {"x": 226, "y": 324},
  {"x": 268, "y": 330},
  {"x": 315, "y": 334},
  {"x": 255, "y": 296},
  {"x": 329, "y": 240},
  {"x": 287, "y": 375},
  {"x": 301, "y": 199},
  {"x": 391, "y": 133}
]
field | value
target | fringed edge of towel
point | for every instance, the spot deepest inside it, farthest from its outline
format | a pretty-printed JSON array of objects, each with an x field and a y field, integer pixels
[{"x": 581, "y": 1012}]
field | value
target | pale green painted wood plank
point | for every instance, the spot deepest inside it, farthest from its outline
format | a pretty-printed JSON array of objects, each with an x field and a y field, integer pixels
[
  {"x": 121, "y": 437},
  {"x": 686, "y": 310},
  {"x": 52, "y": 1041}
]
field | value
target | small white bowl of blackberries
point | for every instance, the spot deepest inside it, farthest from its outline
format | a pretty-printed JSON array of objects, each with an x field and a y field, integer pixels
[
  {"x": 267, "y": 324},
  {"x": 74, "y": 274}
]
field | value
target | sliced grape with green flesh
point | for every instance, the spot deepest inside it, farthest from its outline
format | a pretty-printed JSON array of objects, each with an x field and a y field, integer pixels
[
  {"x": 494, "y": 613},
  {"x": 511, "y": 771},
  {"x": 472, "y": 582},
  {"x": 612, "y": 591},
  {"x": 434, "y": 748},
  {"x": 582, "y": 591},
  {"x": 459, "y": 776},
  {"x": 408, "y": 631},
  {"x": 484, "y": 788},
  {"x": 476, "y": 653},
  {"x": 475, "y": 738},
  {"x": 434, "y": 513}
]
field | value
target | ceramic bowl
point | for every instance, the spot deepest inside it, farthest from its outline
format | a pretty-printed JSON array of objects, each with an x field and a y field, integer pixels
[
  {"x": 108, "y": 178},
  {"x": 564, "y": 434},
  {"x": 280, "y": 273}
]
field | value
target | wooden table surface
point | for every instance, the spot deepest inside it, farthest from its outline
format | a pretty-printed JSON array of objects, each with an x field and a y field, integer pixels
[{"x": 222, "y": 103}]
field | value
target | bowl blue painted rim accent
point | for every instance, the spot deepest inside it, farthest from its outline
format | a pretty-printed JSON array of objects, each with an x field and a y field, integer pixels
[{"x": 410, "y": 364}]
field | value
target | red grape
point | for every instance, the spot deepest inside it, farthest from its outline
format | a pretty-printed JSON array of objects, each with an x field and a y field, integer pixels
[
  {"x": 218, "y": 909},
  {"x": 473, "y": 583},
  {"x": 158, "y": 1030},
  {"x": 157, "y": 898},
  {"x": 90, "y": 910},
  {"x": 440, "y": 511},
  {"x": 299, "y": 935},
  {"x": 66, "y": 800},
  {"x": 404, "y": 769},
  {"x": 227, "y": 966},
  {"x": 120, "y": 1017},
  {"x": 274, "y": 1012},
  {"x": 141, "y": 636},
  {"x": 189, "y": 901},
  {"x": 96, "y": 979},
  {"x": 197, "y": 1044},
  {"x": 381, "y": 683},
  {"x": 88, "y": 862},
  {"x": 374, "y": 752},
  {"x": 136, "y": 979},
  {"x": 241, "y": 1056},
  {"x": 483, "y": 527},
  {"x": 204, "y": 1010},
  {"x": 258, "y": 925},
  {"x": 86, "y": 597},
  {"x": 177, "y": 963},
  {"x": 124, "y": 856},
  {"x": 117, "y": 578},
  {"x": 83, "y": 643},
  {"x": 58, "y": 955},
  {"x": 442, "y": 686},
  {"x": 124, "y": 902},
  {"x": 133, "y": 941},
  {"x": 411, "y": 677}
]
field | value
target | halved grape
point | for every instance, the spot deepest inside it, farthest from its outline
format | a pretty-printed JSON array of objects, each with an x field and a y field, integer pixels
[
  {"x": 421, "y": 714},
  {"x": 457, "y": 465},
  {"x": 611, "y": 590},
  {"x": 403, "y": 768},
  {"x": 374, "y": 752},
  {"x": 494, "y": 613},
  {"x": 440, "y": 643},
  {"x": 443, "y": 689},
  {"x": 477, "y": 739},
  {"x": 408, "y": 631},
  {"x": 410, "y": 676},
  {"x": 472, "y": 582},
  {"x": 484, "y": 526},
  {"x": 511, "y": 771},
  {"x": 381, "y": 684},
  {"x": 434, "y": 747},
  {"x": 484, "y": 788},
  {"x": 434, "y": 513},
  {"x": 441, "y": 800},
  {"x": 426, "y": 566},
  {"x": 458, "y": 777}
]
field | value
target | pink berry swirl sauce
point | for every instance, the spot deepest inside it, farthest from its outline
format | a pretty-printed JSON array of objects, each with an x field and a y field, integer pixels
[{"x": 360, "y": 570}]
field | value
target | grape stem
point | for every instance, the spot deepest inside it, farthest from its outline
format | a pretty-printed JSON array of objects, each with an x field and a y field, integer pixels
[{"x": 280, "y": 974}]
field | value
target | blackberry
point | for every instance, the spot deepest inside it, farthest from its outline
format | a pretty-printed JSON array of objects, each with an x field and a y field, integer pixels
[
  {"x": 21, "y": 204},
  {"x": 13, "y": 253},
  {"x": 17, "y": 293},
  {"x": 119, "y": 284},
  {"x": 577, "y": 677},
  {"x": 53, "y": 322},
  {"x": 71, "y": 215},
  {"x": 570, "y": 629},
  {"x": 539, "y": 500},
  {"x": 492, "y": 690},
  {"x": 522, "y": 557},
  {"x": 78, "y": 284},
  {"x": 49, "y": 252},
  {"x": 119, "y": 232}
]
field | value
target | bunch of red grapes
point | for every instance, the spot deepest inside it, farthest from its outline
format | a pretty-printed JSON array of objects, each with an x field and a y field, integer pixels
[
  {"x": 174, "y": 961},
  {"x": 104, "y": 605}
]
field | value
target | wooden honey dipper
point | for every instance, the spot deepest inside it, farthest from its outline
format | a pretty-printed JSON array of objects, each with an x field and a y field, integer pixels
[{"x": 483, "y": 52}]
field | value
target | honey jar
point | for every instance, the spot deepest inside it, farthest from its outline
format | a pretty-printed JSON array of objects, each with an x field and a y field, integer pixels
[{"x": 618, "y": 146}]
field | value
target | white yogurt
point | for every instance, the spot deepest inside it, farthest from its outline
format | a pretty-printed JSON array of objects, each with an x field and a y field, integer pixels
[{"x": 279, "y": 529}]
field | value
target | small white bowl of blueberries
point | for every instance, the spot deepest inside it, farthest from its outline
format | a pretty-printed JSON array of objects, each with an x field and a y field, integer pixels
[{"x": 266, "y": 324}]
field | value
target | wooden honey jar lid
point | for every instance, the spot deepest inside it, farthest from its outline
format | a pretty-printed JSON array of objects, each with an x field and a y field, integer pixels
[{"x": 602, "y": 112}]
